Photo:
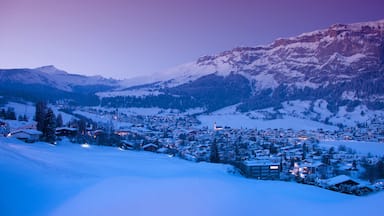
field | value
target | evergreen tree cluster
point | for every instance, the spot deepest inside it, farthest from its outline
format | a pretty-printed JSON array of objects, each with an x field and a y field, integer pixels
[
  {"x": 373, "y": 171},
  {"x": 214, "y": 156},
  {"x": 46, "y": 122},
  {"x": 8, "y": 114}
]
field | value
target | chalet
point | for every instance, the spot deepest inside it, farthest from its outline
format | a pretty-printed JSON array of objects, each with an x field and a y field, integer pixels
[
  {"x": 128, "y": 145},
  {"x": 66, "y": 131},
  {"x": 28, "y": 135},
  {"x": 261, "y": 169},
  {"x": 150, "y": 147},
  {"x": 341, "y": 183}
]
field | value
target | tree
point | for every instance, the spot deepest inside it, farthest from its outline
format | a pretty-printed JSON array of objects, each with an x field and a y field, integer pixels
[
  {"x": 82, "y": 126},
  {"x": 2, "y": 113},
  {"x": 326, "y": 159},
  {"x": 10, "y": 114},
  {"x": 59, "y": 120},
  {"x": 273, "y": 149},
  {"x": 214, "y": 156},
  {"x": 305, "y": 151},
  {"x": 49, "y": 129},
  {"x": 40, "y": 113}
]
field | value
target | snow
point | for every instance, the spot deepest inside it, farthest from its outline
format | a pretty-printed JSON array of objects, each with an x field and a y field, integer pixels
[
  {"x": 28, "y": 109},
  {"x": 320, "y": 107},
  {"x": 238, "y": 120},
  {"x": 293, "y": 117},
  {"x": 134, "y": 92},
  {"x": 41, "y": 179},
  {"x": 362, "y": 147},
  {"x": 361, "y": 114},
  {"x": 265, "y": 80},
  {"x": 338, "y": 179}
]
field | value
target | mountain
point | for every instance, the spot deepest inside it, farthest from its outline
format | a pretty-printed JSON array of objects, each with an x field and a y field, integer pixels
[
  {"x": 50, "y": 83},
  {"x": 337, "y": 71},
  {"x": 342, "y": 65}
]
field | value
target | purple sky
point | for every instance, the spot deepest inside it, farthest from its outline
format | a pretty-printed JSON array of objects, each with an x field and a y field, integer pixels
[{"x": 127, "y": 38}]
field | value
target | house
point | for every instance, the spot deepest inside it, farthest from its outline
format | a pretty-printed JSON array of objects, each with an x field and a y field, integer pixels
[
  {"x": 317, "y": 168},
  {"x": 124, "y": 144},
  {"x": 66, "y": 131},
  {"x": 217, "y": 128},
  {"x": 341, "y": 183},
  {"x": 261, "y": 169},
  {"x": 150, "y": 147},
  {"x": 28, "y": 135}
]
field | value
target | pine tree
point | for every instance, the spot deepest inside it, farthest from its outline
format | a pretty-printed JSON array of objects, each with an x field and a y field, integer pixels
[
  {"x": 304, "y": 150},
  {"x": 40, "y": 113},
  {"x": 2, "y": 113},
  {"x": 10, "y": 114},
  {"x": 214, "y": 157},
  {"x": 59, "y": 120},
  {"x": 50, "y": 127}
]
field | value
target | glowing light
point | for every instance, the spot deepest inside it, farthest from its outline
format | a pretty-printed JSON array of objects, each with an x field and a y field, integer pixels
[
  {"x": 273, "y": 167},
  {"x": 85, "y": 145}
]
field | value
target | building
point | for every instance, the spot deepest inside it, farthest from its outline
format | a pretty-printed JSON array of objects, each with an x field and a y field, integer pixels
[
  {"x": 261, "y": 169},
  {"x": 27, "y": 135},
  {"x": 150, "y": 147},
  {"x": 66, "y": 131}
]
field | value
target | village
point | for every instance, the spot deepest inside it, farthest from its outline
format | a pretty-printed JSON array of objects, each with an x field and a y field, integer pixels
[{"x": 267, "y": 154}]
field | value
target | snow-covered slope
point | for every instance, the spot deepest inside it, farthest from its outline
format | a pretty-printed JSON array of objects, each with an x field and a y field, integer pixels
[{"x": 40, "y": 179}]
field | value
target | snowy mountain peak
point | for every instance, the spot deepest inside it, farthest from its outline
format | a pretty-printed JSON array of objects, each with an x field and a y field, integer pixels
[
  {"x": 318, "y": 65},
  {"x": 304, "y": 61},
  {"x": 51, "y": 69}
]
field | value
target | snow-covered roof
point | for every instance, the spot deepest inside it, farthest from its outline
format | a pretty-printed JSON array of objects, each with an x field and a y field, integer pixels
[
  {"x": 66, "y": 128},
  {"x": 339, "y": 179},
  {"x": 27, "y": 131},
  {"x": 149, "y": 145},
  {"x": 260, "y": 163}
]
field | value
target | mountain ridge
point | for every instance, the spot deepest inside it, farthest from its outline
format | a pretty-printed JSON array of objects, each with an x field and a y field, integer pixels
[{"x": 342, "y": 65}]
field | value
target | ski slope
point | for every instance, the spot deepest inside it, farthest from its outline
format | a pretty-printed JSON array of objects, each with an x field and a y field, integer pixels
[{"x": 72, "y": 179}]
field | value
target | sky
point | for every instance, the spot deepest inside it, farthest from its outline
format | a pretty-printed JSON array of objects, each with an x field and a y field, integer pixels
[{"x": 129, "y": 38}]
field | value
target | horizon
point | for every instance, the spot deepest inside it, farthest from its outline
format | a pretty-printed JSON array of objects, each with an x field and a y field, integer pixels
[{"x": 132, "y": 39}]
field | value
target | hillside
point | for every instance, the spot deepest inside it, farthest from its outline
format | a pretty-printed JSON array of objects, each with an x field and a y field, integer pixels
[
  {"x": 70, "y": 179},
  {"x": 50, "y": 83}
]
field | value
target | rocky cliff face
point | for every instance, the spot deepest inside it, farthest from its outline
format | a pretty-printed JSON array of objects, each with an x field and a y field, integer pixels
[{"x": 343, "y": 64}]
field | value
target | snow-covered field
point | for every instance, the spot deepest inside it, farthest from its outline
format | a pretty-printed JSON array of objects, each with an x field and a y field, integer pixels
[
  {"x": 230, "y": 117},
  {"x": 243, "y": 121},
  {"x": 374, "y": 148},
  {"x": 68, "y": 179},
  {"x": 28, "y": 109}
]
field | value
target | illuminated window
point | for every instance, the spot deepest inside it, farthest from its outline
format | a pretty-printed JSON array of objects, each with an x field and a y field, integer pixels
[{"x": 273, "y": 167}]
